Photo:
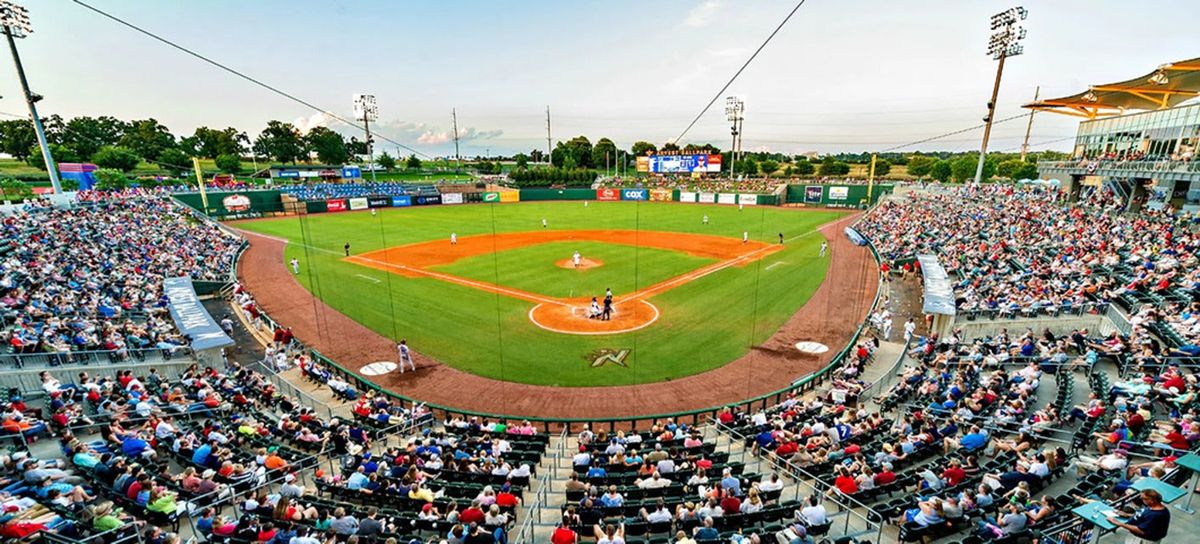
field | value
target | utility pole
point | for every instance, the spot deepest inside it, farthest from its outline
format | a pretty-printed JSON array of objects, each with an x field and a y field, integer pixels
[
  {"x": 457, "y": 157},
  {"x": 15, "y": 20},
  {"x": 549, "y": 149},
  {"x": 1029, "y": 126},
  {"x": 1005, "y": 42},
  {"x": 366, "y": 111}
]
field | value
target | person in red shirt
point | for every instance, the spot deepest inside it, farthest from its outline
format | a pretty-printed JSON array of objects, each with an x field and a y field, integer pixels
[
  {"x": 505, "y": 499},
  {"x": 885, "y": 475},
  {"x": 473, "y": 514},
  {"x": 954, "y": 474},
  {"x": 563, "y": 535},
  {"x": 1173, "y": 439},
  {"x": 845, "y": 482},
  {"x": 730, "y": 503}
]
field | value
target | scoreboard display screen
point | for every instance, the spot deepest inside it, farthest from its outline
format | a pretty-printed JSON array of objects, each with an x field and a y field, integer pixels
[{"x": 679, "y": 164}]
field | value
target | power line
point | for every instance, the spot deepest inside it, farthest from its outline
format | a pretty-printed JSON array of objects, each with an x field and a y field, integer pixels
[
  {"x": 240, "y": 74},
  {"x": 952, "y": 133},
  {"x": 738, "y": 73}
]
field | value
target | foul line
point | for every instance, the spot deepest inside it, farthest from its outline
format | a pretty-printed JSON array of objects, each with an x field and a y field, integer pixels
[
  {"x": 368, "y": 278},
  {"x": 774, "y": 264}
]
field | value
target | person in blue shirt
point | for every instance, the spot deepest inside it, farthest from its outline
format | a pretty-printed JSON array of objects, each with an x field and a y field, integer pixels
[
  {"x": 972, "y": 441},
  {"x": 134, "y": 446},
  {"x": 201, "y": 455},
  {"x": 358, "y": 480},
  {"x": 612, "y": 499},
  {"x": 597, "y": 471}
]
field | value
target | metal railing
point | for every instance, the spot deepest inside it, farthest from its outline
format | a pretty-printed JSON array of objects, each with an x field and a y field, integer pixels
[{"x": 51, "y": 359}]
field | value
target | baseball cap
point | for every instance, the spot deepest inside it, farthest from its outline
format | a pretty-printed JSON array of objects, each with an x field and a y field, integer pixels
[{"x": 1170, "y": 459}]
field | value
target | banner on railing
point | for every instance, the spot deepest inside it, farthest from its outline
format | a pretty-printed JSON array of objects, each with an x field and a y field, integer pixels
[{"x": 191, "y": 317}]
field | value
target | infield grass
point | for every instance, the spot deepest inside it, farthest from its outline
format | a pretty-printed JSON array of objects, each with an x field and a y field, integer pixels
[{"x": 705, "y": 323}]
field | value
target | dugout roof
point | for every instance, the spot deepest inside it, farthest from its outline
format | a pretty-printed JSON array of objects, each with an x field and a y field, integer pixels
[{"x": 1167, "y": 86}]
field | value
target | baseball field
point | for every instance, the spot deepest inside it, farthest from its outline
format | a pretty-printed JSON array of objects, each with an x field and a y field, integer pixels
[{"x": 507, "y": 301}]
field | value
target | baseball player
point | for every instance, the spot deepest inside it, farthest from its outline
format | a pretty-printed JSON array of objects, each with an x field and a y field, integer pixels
[
  {"x": 373, "y": 212},
  {"x": 704, "y": 220},
  {"x": 295, "y": 266},
  {"x": 544, "y": 222},
  {"x": 405, "y": 356},
  {"x": 781, "y": 238},
  {"x": 453, "y": 238},
  {"x": 745, "y": 236},
  {"x": 347, "y": 248},
  {"x": 585, "y": 203},
  {"x": 824, "y": 248},
  {"x": 576, "y": 258},
  {"x": 594, "y": 310}
]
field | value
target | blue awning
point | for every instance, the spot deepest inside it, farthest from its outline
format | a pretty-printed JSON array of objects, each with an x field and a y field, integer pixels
[{"x": 191, "y": 317}]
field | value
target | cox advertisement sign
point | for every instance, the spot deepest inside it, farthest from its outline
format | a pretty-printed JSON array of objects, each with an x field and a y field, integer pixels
[
  {"x": 379, "y": 202},
  {"x": 401, "y": 201},
  {"x": 635, "y": 194},
  {"x": 427, "y": 200},
  {"x": 608, "y": 194},
  {"x": 338, "y": 205},
  {"x": 452, "y": 198}
]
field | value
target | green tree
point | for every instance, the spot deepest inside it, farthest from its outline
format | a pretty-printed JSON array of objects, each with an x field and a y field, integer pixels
[
  {"x": 329, "y": 145},
  {"x": 280, "y": 141},
  {"x": 17, "y": 138},
  {"x": 211, "y": 143},
  {"x": 769, "y": 167},
  {"x": 882, "y": 167},
  {"x": 804, "y": 168},
  {"x": 604, "y": 153},
  {"x": 175, "y": 161},
  {"x": 746, "y": 167},
  {"x": 832, "y": 167},
  {"x": 412, "y": 162},
  {"x": 386, "y": 161},
  {"x": 919, "y": 166},
  {"x": 116, "y": 157},
  {"x": 522, "y": 160},
  {"x": 229, "y": 163},
  {"x": 641, "y": 148},
  {"x": 579, "y": 148},
  {"x": 940, "y": 170},
  {"x": 1016, "y": 169},
  {"x": 86, "y": 135},
  {"x": 670, "y": 146},
  {"x": 108, "y": 179},
  {"x": 15, "y": 190},
  {"x": 963, "y": 168},
  {"x": 148, "y": 138},
  {"x": 60, "y": 152}
]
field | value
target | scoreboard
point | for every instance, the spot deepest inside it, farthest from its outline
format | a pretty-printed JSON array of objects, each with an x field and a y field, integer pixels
[{"x": 674, "y": 164}]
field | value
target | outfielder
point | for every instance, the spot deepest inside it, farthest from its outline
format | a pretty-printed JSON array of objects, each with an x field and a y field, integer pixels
[
  {"x": 543, "y": 222},
  {"x": 745, "y": 236},
  {"x": 704, "y": 220},
  {"x": 295, "y": 266},
  {"x": 824, "y": 248}
]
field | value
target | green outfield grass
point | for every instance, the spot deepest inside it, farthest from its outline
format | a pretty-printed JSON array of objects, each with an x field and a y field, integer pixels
[
  {"x": 533, "y": 268},
  {"x": 704, "y": 324}
]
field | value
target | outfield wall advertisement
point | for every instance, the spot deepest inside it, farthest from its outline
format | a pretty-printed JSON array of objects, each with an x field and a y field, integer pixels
[
  {"x": 660, "y": 195},
  {"x": 510, "y": 196},
  {"x": 726, "y": 198},
  {"x": 635, "y": 194},
  {"x": 748, "y": 199},
  {"x": 401, "y": 201},
  {"x": 379, "y": 202},
  {"x": 452, "y": 198},
  {"x": 336, "y": 205},
  {"x": 427, "y": 200},
  {"x": 358, "y": 203},
  {"x": 608, "y": 194},
  {"x": 708, "y": 198},
  {"x": 687, "y": 196}
]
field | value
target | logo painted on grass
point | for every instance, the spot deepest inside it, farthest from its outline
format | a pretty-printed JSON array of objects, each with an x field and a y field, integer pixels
[{"x": 604, "y": 356}]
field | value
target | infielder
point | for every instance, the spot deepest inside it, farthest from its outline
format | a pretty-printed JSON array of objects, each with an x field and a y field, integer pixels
[
  {"x": 347, "y": 248},
  {"x": 576, "y": 259},
  {"x": 745, "y": 236},
  {"x": 453, "y": 238},
  {"x": 824, "y": 248},
  {"x": 543, "y": 222},
  {"x": 295, "y": 266},
  {"x": 405, "y": 356}
]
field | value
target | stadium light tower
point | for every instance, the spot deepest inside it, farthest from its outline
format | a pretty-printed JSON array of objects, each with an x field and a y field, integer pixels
[
  {"x": 734, "y": 109},
  {"x": 1005, "y": 42},
  {"x": 366, "y": 111},
  {"x": 15, "y": 20}
]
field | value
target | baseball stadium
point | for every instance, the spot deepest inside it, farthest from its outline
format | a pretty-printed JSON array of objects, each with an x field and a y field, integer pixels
[{"x": 951, "y": 311}]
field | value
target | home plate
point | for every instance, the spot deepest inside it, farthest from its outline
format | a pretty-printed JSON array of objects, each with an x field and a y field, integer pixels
[
  {"x": 812, "y": 348},
  {"x": 377, "y": 369}
]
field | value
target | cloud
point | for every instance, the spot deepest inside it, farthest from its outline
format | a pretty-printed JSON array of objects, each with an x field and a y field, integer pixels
[
  {"x": 702, "y": 15},
  {"x": 409, "y": 132},
  {"x": 465, "y": 134},
  {"x": 305, "y": 124}
]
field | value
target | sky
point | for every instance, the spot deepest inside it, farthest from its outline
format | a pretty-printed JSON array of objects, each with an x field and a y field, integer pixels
[{"x": 863, "y": 75}]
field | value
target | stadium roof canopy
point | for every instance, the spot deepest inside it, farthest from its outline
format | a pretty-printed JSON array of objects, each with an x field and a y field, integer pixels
[{"x": 1165, "y": 87}]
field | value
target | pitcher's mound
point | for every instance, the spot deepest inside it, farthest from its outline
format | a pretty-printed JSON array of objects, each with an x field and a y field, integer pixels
[{"x": 584, "y": 263}]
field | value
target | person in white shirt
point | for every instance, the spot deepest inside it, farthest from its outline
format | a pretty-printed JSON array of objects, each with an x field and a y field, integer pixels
[
  {"x": 660, "y": 515},
  {"x": 813, "y": 514},
  {"x": 770, "y": 484},
  {"x": 655, "y": 481},
  {"x": 910, "y": 328},
  {"x": 759, "y": 418}
]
